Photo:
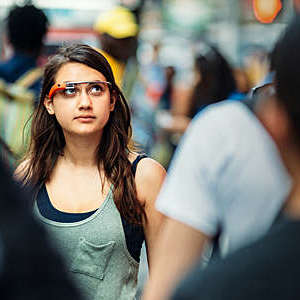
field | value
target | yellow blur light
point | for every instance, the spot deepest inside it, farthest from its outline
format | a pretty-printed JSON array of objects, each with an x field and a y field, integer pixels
[{"x": 266, "y": 11}]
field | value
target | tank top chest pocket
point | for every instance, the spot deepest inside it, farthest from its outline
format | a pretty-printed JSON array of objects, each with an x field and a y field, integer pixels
[{"x": 91, "y": 259}]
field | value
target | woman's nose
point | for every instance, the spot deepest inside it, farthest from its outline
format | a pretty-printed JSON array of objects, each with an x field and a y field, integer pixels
[{"x": 84, "y": 99}]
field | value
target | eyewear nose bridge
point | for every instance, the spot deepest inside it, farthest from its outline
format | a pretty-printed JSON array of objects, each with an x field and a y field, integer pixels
[{"x": 71, "y": 84}]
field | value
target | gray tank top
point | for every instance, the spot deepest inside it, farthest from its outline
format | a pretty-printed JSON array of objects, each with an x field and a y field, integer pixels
[{"x": 95, "y": 253}]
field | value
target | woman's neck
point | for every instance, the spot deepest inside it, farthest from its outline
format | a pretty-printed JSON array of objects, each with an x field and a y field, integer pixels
[{"x": 81, "y": 151}]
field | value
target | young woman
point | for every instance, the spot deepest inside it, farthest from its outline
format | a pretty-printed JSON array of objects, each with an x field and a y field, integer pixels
[{"x": 92, "y": 192}]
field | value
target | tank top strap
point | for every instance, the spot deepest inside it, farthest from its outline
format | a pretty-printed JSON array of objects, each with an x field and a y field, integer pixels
[{"x": 136, "y": 161}]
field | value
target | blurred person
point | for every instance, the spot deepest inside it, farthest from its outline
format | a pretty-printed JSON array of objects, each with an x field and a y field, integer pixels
[
  {"x": 269, "y": 268},
  {"x": 214, "y": 81},
  {"x": 93, "y": 193},
  {"x": 225, "y": 173},
  {"x": 29, "y": 266},
  {"x": 26, "y": 28},
  {"x": 20, "y": 77},
  {"x": 154, "y": 77},
  {"x": 118, "y": 35},
  {"x": 147, "y": 92},
  {"x": 165, "y": 101},
  {"x": 165, "y": 141}
]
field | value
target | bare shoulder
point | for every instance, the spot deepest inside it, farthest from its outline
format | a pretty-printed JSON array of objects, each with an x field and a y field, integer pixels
[
  {"x": 21, "y": 169},
  {"x": 149, "y": 177},
  {"x": 149, "y": 169}
]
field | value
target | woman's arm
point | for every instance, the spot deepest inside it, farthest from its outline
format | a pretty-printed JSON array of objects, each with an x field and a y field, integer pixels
[{"x": 149, "y": 178}]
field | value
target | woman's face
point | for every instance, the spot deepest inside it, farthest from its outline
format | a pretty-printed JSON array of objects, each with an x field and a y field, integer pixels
[{"x": 84, "y": 108}]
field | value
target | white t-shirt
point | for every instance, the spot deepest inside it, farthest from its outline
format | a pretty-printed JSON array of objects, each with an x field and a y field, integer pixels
[{"x": 227, "y": 172}]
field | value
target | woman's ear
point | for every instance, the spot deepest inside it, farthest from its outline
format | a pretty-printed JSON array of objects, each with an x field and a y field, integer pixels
[
  {"x": 48, "y": 103},
  {"x": 113, "y": 100}
]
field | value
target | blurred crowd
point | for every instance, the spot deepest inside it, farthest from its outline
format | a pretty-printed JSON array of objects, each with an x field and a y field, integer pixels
[{"x": 226, "y": 218}]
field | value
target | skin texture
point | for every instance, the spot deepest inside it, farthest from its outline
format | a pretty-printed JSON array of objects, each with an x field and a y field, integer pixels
[{"x": 77, "y": 183}]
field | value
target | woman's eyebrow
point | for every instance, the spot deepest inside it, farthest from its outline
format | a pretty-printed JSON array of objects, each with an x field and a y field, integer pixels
[{"x": 82, "y": 82}]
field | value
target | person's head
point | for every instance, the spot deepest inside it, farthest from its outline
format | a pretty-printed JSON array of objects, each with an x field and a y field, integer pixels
[
  {"x": 117, "y": 30},
  {"x": 99, "y": 97},
  {"x": 287, "y": 72},
  {"x": 282, "y": 113},
  {"x": 26, "y": 29},
  {"x": 215, "y": 80},
  {"x": 80, "y": 97}
]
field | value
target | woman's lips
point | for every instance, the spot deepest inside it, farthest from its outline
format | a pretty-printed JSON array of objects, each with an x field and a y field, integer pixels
[{"x": 85, "y": 118}]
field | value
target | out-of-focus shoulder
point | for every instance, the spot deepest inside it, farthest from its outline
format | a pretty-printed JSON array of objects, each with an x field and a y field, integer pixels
[{"x": 149, "y": 177}]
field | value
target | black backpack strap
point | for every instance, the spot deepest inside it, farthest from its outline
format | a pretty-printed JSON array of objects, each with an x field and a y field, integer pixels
[{"x": 136, "y": 161}]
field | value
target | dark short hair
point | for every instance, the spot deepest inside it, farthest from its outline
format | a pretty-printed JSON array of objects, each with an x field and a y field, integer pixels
[
  {"x": 286, "y": 63},
  {"x": 26, "y": 28}
]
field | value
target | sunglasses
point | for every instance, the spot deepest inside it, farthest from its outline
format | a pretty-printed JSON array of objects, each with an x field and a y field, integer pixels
[{"x": 70, "y": 88}]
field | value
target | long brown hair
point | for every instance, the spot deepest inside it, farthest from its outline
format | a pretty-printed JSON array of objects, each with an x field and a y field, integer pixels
[{"x": 47, "y": 138}]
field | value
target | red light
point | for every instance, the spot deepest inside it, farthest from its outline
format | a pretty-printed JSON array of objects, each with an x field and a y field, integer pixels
[{"x": 266, "y": 11}]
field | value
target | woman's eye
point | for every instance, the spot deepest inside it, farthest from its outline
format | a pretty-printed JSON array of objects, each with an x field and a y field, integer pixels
[
  {"x": 69, "y": 91},
  {"x": 97, "y": 89}
]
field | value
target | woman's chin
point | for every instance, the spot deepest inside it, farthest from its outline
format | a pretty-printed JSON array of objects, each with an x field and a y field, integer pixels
[{"x": 86, "y": 132}]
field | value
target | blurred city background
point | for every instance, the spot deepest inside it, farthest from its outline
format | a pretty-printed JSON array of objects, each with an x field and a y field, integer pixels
[
  {"x": 231, "y": 24},
  {"x": 171, "y": 33}
]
